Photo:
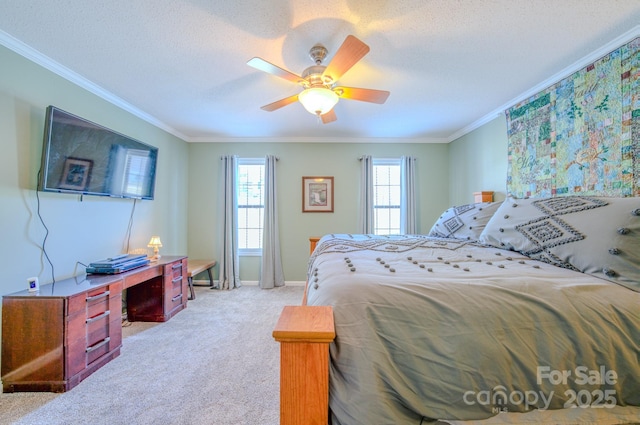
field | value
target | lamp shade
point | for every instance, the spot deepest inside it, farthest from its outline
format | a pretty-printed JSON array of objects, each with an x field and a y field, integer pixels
[
  {"x": 318, "y": 100},
  {"x": 155, "y": 242}
]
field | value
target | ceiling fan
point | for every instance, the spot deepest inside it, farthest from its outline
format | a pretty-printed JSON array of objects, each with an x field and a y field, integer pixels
[{"x": 320, "y": 92}]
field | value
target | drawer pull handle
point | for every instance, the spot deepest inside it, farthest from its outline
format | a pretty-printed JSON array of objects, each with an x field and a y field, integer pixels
[
  {"x": 176, "y": 266},
  {"x": 97, "y": 297},
  {"x": 98, "y": 317},
  {"x": 177, "y": 279},
  {"x": 98, "y": 345},
  {"x": 177, "y": 297}
]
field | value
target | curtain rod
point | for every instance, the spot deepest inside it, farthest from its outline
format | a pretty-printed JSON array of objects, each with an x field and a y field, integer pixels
[
  {"x": 223, "y": 156},
  {"x": 412, "y": 157}
]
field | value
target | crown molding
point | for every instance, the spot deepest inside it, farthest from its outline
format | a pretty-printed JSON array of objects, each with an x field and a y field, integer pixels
[
  {"x": 571, "y": 69},
  {"x": 289, "y": 139},
  {"x": 35, "y": 56},
  {"x": 46, "y": 62}
]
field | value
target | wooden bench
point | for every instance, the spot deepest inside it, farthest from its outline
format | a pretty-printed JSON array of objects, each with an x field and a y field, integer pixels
[{"x": 195, "y": 267}]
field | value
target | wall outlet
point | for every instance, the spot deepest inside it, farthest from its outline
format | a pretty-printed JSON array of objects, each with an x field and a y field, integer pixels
[{"x": 34, "y": 285}]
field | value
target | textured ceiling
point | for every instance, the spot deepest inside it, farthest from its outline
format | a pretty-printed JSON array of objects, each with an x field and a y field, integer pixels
[{"x": 449, "y": 65}]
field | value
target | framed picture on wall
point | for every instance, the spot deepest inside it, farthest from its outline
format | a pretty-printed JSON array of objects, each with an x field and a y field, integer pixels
[
  {"x": 317, "y": 194},
  {"x": 76, "y": 174}
]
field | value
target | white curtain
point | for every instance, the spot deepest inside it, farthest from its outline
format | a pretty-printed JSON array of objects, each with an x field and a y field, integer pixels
[
  {"x": 229, "y": 271},
  {"x": 271, "y": 275},
  {"x": 366, "y": 218},
  {"x": 408, "y": 207}
]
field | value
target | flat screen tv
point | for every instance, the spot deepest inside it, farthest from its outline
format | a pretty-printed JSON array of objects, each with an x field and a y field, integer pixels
[{"x": 85, "y": 158}]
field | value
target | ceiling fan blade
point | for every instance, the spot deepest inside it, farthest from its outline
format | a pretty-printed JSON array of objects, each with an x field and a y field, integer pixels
[
  {"x": 351, "y": 51},
  {"x": 270, "y": 68},
  {"x": 280, "y": 103},
  {"x": 364, "y": 95},
  {"x": 329, "y": 117}
]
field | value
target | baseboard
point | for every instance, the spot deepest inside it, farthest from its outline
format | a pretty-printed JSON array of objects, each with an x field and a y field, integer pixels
[
  {"x": 205, "y": 282},
  {"x": 295, "y": 283}
]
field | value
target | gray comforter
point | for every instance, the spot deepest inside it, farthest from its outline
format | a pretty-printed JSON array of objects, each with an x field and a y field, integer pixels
[{"x": 445, "y": 329}]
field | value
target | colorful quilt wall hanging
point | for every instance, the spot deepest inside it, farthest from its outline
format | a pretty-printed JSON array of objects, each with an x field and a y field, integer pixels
[{"x": 581, "y": 136}]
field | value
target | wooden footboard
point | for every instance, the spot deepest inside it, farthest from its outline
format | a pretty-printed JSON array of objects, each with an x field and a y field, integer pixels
[{"x": 304, "y": 333}]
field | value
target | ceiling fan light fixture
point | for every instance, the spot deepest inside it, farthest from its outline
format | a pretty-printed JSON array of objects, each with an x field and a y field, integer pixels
[{"x": 318, "y": 100}]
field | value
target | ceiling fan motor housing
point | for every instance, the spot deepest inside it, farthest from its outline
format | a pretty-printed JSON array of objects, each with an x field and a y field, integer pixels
[
  {"x": 313, "y": 77},
  {"x": 318, "y": 53}
]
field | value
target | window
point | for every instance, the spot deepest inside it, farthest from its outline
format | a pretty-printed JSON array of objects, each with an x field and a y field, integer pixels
[
  {"x": 386, "y": 196},
  {"x": 250, "y": 205}
]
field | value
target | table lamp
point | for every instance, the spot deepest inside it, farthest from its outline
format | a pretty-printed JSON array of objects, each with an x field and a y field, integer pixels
[{"x": 155, "y": 243}]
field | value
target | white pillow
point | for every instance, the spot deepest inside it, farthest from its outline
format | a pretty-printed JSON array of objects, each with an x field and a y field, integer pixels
[
  {"x": 594, "y": 235},
  {"x": 464, "y": 222}
]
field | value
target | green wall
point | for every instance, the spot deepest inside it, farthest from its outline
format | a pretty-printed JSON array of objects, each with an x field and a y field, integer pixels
[
  {"x": 478, "y": 162},
  {"x": 85, "y": 229},
  {"x": 339, "y": 160}
]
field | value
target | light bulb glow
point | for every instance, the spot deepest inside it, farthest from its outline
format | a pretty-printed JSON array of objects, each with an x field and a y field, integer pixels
[{"x": 318, "y": 100}]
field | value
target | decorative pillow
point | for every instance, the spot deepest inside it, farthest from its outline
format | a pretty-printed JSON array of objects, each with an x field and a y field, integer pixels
[
  {"x": 595, "y": 235},
  {"x": 464, "y": 222}
]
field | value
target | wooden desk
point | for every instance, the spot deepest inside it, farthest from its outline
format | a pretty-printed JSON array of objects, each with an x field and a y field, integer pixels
[{"x": 55, "y": 338}]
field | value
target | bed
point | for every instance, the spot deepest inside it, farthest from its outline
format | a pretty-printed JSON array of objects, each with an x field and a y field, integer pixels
[{"x": 524, "y": 311}]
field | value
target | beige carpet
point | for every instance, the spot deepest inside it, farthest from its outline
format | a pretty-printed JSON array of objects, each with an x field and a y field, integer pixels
[{"x": 213, "y": 363}]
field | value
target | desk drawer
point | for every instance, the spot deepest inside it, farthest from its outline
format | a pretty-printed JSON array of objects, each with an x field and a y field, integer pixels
[
  {"x": 96, "y": 304},
  {"x": 176, "y": 291},
  {"x": 177, "y": 269},
  {"x": 176, "y": 285},
  {"x": 97, "y": 327},
  {"x": 176, "y": 281},
  {"x": 94, "y": 330},
  {"x": 79, "y": 303},
  {"x": 81, "y": 355}
]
